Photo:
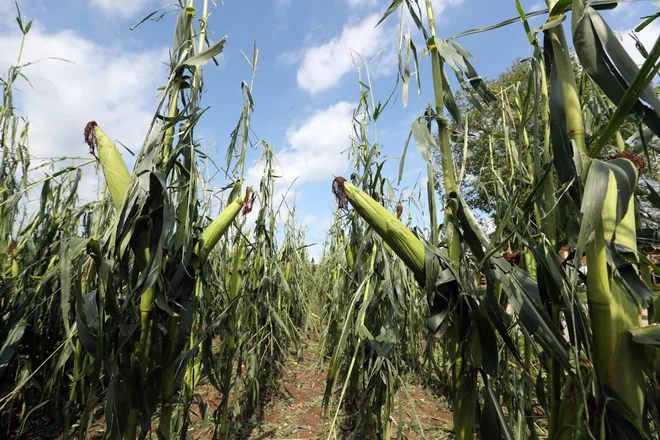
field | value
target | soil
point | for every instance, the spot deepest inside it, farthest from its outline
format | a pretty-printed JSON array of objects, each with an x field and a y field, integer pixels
[{"x": 297, "y": 413}]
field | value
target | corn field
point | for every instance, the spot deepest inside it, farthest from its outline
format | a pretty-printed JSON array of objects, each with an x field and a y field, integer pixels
[{"x": 176, "y": 304}]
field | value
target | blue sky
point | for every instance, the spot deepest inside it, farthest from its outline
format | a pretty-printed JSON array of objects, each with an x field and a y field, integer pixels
[{"x": 305, "y": 88}]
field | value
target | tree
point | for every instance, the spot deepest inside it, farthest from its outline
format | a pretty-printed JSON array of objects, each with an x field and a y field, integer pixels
[
  {"x": 485, "y": 129},
  {"x": 488, "y": 128}
]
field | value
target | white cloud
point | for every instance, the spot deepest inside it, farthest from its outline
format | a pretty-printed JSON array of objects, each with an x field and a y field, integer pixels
[
  {"x": 122, "y": 9},
  {"x": 315, "y": 148},
  {"x": 316, "y": 145},
  {"x": 313, "y": 155},
  {"x": 289, "y": 58},
  {"x": 326, "y": 223},
  {"x": 647, "y": 36},
  {"x": 538, "y": 6},
  {"x": 111, "y": 85},
  {"x": 323, "y": 66},
  {"x": 361, "y": 3},
  {"x": 308, "y": 221},
  {"x": 316, "y": 236},
  {"x": 439, "y": 7},
  {"x": 7, "y": 7},
  {"x": 625, "y": 11}
]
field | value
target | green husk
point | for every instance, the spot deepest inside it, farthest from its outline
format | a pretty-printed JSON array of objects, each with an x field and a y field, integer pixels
[
  {"x": 218, "y": 227},
  {"x": 350, "y": 261},
  {"x": 114, "y": 168},
  {"x": 401, "y": 239}
]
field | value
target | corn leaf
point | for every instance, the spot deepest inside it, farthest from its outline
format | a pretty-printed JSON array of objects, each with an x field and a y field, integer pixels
[
  {"x": 423, "y": 139},
  {"x": 203, "y": 57},
  {"x": 603, "y": 56}
]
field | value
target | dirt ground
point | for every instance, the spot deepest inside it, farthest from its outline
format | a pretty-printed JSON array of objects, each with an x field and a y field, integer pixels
[{"x": 296, "y": 412}]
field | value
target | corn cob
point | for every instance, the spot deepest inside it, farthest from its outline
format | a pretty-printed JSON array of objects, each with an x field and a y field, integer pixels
[
  {"x": 115, "y": 171},
  {"x": 219, "y": 226},
  {"x": 397, "y": 212},
  {"x": 401, "y": 239},
  {"x": 14, "y": 260},
  {"x": 350, "y": 261},
  {"x": 287, "y": 270}
]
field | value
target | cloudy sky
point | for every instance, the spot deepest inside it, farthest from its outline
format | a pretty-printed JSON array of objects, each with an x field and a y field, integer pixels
[{"x": 305, "y": 88}]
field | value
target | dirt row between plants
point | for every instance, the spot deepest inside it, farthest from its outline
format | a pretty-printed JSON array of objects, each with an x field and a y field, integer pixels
[{"x": 298, "y": 412}]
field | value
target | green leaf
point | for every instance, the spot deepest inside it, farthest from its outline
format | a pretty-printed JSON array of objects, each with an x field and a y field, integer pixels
[
  {"x": 71, "y": 249},
  {"x": 563, "y": 150},
  {"x": 593, "y": 200},
  {"x": 10, "y": 345},
  {"x": 446, "y": 288},
  {"x": 425, "y": 142},
  {"x": 395, "y": 4},
  {"x": 493, "y": 415},
  {"x": 522, "y": 290},
  {"x": 625, "y": 174},
  {"x": 523, "y": 18},
  {"x": 649, "y": 335},
  {"x": 560, "y": 7},
  {"x": 606, "y": 61},
  {"x": 648, "y": 20},
  {"x": 415, "y": 15},
  {"x": 499, "y": 25},
  {"x": 487, "y": 340},
  {"x": 523, "y": 296},
  {"x": 551, "y": 24},
  {"x": 653, "y": 197},
  {"x": 149, "y": 16},
  {"x": 117, "y": 408},
  {"x": 203, "y": 57},
  {"x": 402, "y": 162},
  {"x": 626, "y": 274},
  {"x": 87, "y": 321},
  {"x": 182, "y": 30},
  {"x": 471, "y": 83},
  {"x": 598, "y": 5}
]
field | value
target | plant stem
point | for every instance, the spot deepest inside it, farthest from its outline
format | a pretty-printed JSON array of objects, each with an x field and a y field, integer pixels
[
  {"x": 167, "y": 387},
  {"x": 464, "y": 379},
  {"x": 230, "y": 336},
  {"x": 596, "y": 261}
]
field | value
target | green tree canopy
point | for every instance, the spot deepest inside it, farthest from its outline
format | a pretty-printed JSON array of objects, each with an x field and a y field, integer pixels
[
  {"x": 499, "y": 126},
  {"x": 485, "y": 129}
]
